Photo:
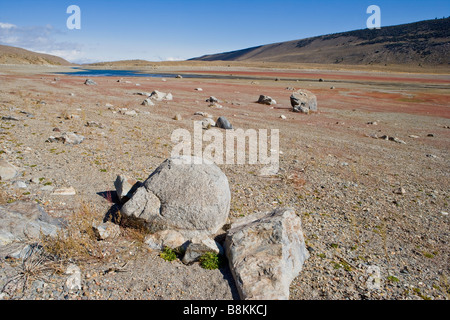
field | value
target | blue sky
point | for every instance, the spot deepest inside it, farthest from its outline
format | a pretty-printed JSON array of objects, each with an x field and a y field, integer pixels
[{"x": 174, "y": 29}]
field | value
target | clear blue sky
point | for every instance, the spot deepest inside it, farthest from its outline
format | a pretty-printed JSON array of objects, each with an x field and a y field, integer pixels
[{"x": 174, "y": 29}]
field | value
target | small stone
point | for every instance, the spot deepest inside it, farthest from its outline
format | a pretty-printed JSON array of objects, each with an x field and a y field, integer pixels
[
  {"x": 106, "y": 230},
  {"x": 73, "y": 282},
  {"x": 70, "y": 191},
  {"x": 7, "y": 171},
  {"x": 212, "y": 99},
  {"x": 223, "y": 123},
  {"x": 90, "y": 82},
  {"x": 283, "y": 117},
  {"x": 19, "y": 185},
  {"x": 178, "y": 117},
  {"x": 400, "y": 191},
  {"x": 165, "y": 238},
  {"x": 266, "y": 100},
  {"x": 147, "y": 102},
  {"x": 207, "y": 123}
]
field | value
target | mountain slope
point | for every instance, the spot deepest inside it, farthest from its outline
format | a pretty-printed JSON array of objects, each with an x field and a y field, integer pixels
[
  {"x": 14, "y": 55},
  {"x": 424, "y": 42}
]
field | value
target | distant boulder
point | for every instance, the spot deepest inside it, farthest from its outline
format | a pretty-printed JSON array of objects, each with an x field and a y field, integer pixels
[
  {"x": 90, "y": 82},
  {"x": 303, "y": 101},
  {"x": 266, "y": 100},
  {"x": 223, "y": 123}
]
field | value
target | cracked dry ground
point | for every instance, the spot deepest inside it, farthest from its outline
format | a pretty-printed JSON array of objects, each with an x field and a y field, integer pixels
[{"x": 366, "y": 240}]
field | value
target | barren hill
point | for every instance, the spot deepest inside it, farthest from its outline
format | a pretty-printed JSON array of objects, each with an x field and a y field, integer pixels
[
  {"x": 424, "y": 42},
  {"x": 14, "y": 55}
]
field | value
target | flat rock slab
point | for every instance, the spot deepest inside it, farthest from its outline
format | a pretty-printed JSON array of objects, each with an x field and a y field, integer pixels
[
  {"x": 266, "y": 252},
  {"x": 23, "y": 220}
]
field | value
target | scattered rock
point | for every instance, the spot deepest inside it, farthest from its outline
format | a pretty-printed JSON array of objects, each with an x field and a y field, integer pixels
[
  {"x": 266, "y": 251},
  {"x": 266, "y": 100},
  {"x": 198, "y": 247},
  {"x": 188, "y": 194},
  {"x": 212, "y": 99},
  {"x": 400, "y": 191},
  {"x": 207, "y": 123},
  {"x": 178, "y": 117},
  {"x": 90, "y": 82},
  {"x": 7, "y": 171},
  {"x": 223, "y": 123},
  {"x": 20, "y": 185},
  {"x": 73, "y": 282},
  {"x": 283, "y": 117},
  {"x": 165, "y": 238},
  {"x": 215, "y": 105},
  {"x": 94, "y": 124},
  {"x": 9, "y": 118},
  {"x": 147, "y": 102},
  {"x": 70, "y": 191},
  {"x": 414, "y": 136},
  {"x": 160, "y": 96},
  {"x": 198, "y": 89},
  {"x": 106, "y": 230},
  {"x": 303, "y": 100},
  {"x": 179, "y": 76},
  {"x": 72, "y": 138},
  {"x": 203, "y": 114}
]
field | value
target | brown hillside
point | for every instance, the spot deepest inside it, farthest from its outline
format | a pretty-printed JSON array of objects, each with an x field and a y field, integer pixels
[
  {"x": 425, "y": 43},
  {"x": 14, "y": 55}
]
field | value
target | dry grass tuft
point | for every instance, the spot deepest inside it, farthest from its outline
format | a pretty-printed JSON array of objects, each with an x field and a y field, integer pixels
[{"x": 77, "y": 241}]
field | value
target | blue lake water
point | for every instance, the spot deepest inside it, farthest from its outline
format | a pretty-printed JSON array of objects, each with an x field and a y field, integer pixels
[{"x": 134, "y": 73}]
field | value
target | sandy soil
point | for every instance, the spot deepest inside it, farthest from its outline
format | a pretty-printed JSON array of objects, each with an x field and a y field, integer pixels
[{"x": 340, "y": 180}]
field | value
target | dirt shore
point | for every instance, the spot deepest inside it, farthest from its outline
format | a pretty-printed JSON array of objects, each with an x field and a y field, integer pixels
[{"x": 367, "y": 239}]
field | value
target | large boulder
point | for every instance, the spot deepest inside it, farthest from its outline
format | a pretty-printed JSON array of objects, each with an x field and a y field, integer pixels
[
  {"x": 266, "y": 251},
  {"x": 188, "y": 194},
  {"x": 304, "y": 101}
]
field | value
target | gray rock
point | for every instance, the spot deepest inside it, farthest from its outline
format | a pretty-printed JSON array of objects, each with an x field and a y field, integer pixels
[
  {"x": 212, "y": 99},
  {"x": 106, "y": 230},
  {"x": 223, "y": 123},
  {"x": 165, "y": 238},
  {"x": 208, "y": 123},
  {"x": 19, "y": 185},
  {"x": 90, "y": 82},
  {"x": 266, "y": 251},
  {"x": 266, "y": 100},
  {"x": 7, "y": 171},
  {"x": 188, "y": 194},
  {"x": 160, "y": 96},
  {"x": 198, "y": 247},
  {"x": 303, "y": 98},
  {"x": 125, "y": 187},
  {"x": 148, "y": 102},
  {"x": 25, "y": 220},
  {"x": 10, "y": 118},
  {"x": 73, "y": 282}
]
